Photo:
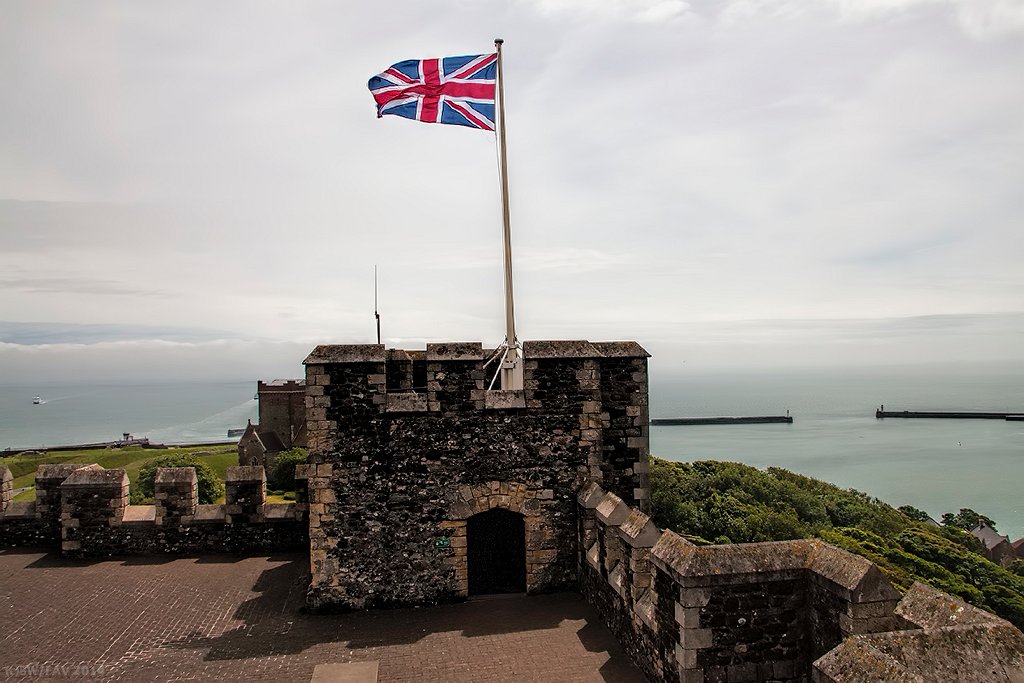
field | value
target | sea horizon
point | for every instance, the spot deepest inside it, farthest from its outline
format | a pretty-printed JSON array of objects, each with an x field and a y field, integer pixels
[{"x": 936, "y": 465}]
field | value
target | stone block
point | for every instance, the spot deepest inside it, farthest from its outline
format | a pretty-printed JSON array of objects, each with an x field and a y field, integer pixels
[
  {"x": 688, "y": 617},
  {"x": 696, "y": 638},
  {"x": 685, "y": 658},
  {"x": 504, "y": 399},
  {"x": 406, "y": 402}
]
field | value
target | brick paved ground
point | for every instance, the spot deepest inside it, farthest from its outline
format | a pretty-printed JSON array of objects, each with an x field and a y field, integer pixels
[{"x": 226, "y": 618}]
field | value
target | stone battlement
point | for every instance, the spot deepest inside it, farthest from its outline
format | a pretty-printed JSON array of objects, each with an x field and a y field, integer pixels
[
  {"x": 84, "y": 510},
  {"x": 780, "y": 611},
  {"x": 412, "y": 445}
]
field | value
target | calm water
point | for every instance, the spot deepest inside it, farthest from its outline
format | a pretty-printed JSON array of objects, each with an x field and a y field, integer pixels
[
  {"x": 936, "y": 465},
  {"x": 166, "y": 413}
]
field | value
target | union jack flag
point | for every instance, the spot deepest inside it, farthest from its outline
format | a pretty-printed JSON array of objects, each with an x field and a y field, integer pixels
[{"x": 455, "y": 90}]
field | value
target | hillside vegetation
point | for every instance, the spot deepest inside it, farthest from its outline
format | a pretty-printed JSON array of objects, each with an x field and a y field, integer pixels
[{"x": 727, "y": 502}]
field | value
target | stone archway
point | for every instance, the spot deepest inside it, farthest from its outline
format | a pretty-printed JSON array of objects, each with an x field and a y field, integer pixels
[
  {"x": 512, "y": 497},
  {"x": 496, "y": 552}
]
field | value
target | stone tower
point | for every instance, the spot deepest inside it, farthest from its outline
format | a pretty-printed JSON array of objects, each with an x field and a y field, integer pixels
[{"x": 425, "y": 487}]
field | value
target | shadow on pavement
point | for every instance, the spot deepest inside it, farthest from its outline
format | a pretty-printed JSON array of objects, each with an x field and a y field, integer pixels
[{"x": 274, "y": 623}]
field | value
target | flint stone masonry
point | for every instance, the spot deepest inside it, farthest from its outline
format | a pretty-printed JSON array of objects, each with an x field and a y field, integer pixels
[
  {"x": 743, "y": 612},
  {"x": 412, "y": 466},
  {"x": 767, "y": 611},
  {"x": 95, "y": 519}
]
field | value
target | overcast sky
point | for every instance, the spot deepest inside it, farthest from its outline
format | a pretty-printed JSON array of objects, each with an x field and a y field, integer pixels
[{"x": 202, "y": 189}]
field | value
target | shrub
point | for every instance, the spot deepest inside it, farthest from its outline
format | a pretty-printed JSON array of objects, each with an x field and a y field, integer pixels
[
  {"x": 211, "y": 487},
  {"x": 282, "y": 472}
]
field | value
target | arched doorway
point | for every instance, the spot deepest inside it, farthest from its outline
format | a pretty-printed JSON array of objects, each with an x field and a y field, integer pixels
[{"x": 496, "y": 552}]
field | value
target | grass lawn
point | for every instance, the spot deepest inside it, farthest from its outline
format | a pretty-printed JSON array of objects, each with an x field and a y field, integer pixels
[{"x": 23, "y": 467}]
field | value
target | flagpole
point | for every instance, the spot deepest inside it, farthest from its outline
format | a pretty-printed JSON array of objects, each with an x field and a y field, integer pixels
[{"x": 511, "y": 365}]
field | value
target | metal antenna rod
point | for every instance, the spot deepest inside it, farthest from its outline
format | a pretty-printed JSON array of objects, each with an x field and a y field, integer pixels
[{"x": 376, "y": 313}]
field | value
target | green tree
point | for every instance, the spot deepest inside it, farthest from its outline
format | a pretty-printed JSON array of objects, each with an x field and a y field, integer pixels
[
  {"x": 914, "y": 513},
  {"x": 967, "y": 519},
  {"x": 211, "y": 488},
  {"x": 282, "y": 474},
  {"x": 735, "y": 503}
]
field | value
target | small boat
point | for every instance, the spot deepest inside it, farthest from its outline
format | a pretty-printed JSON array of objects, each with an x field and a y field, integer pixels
[
  {"x": 256, "y": 397},
  {"x": 37, "y": 400}
]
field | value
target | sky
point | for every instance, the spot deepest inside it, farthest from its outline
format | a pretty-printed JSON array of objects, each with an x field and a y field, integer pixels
[{"x": 202, "y": 189}]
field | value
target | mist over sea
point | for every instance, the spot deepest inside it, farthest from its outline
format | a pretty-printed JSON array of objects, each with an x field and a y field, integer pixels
[{"x": 936, "y": 465}]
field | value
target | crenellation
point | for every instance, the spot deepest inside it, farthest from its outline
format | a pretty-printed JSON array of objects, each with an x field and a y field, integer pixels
[
  {"x": 398, "y": 457},
  {"x": 95, "y": 519}
]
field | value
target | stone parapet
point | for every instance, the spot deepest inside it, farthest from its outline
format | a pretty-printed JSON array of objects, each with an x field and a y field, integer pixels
[
  {"x": 176, "y": 495},
  {"x": 96, "y": 520},
  {"x": 48, "y": 481},
  {"x": 403, "y": 433},
  {"x": 948, "y": 640},
  {"x": 6, "y": 488},
  {"x": 245, "y": 494},
  {"x": 92, "y": 500},
  {"x": 768, "y": 611}
]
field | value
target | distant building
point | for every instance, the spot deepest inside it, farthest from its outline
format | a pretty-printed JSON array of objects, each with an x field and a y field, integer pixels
[
  {"x": 1018, "y": 548},
  {"x": 997, "y": 547},
  {"x": 282, "y": 422}
]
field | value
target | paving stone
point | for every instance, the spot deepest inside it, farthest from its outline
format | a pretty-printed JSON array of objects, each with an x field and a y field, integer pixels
[{"x": 228, "y": 618}]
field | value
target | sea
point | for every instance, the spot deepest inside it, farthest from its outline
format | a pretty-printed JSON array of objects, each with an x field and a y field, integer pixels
[{"x": 935, "y": 465}]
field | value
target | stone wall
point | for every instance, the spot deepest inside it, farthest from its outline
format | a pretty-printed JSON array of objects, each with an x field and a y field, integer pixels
[
  {"x": 282, "y": 409},
  {"x": 84, "y": 510},
  {"x": 783, "y": 611},
  {"x": 390, "y": 462},
  {"x": 945, "y": 639}
]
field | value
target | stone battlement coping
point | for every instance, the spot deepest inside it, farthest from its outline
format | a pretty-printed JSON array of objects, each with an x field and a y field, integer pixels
[
  {"x": 245, "y": 473},
  {"x": 856, "y": 574},
  {"x": 400, "y": 355},
  {"x": 281, "y": 386},
  {"x": 175, "y": 475},
  {"x": 621, "y": 349},
  {"x": 927, "y": 608},
  {"x": 473, "y": 351},
  {"x": 958, "y": 642},
  {"x": 346, "y": 353},
  {"x": 714, "y": 563},
  {"x": 87, "y": 476},
  {"x": 574, "y": 348},
  {"x": 139, "y": 514},
  {"x": 61, "y": 471},
  {"x": 638, "y": 530},
  {"x": 21, "y": 509},
  {"x": 590, "y": 495},
  {"x": 612, "y": 510},
  {"x": 470, "y": 351},
  {"x": 210, "y": 514}
]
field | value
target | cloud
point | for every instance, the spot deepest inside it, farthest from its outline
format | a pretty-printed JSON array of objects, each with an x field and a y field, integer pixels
[
  {"x": 177, "y": 167},
  {"x": 66, "y": 285},
  {"x": 636, "y": 10},
  {"x": 980, "y": 19},
  {"x": 150, "y": 360}
]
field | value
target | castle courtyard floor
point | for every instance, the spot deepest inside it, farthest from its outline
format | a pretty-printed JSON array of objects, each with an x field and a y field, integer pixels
[{"x": 226, "y": 618}]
